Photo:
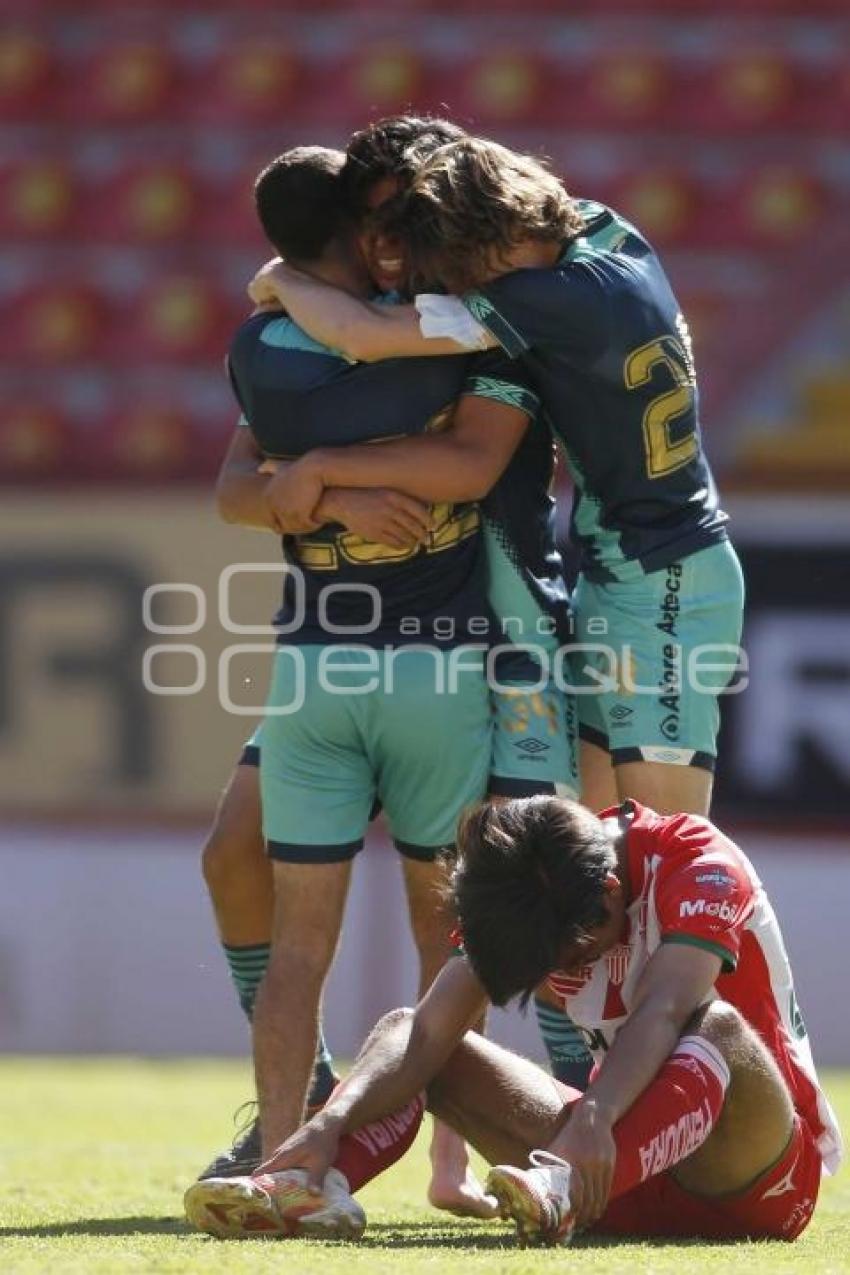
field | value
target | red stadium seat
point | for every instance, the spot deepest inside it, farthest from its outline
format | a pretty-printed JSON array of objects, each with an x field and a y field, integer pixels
[
  {"x": 663, "y": 202},
  {"x": 148, "y": 440},
  {"x": 124, "y": 83},
  {"x": 829, "y": 100},
  {"x": 148, "y": 203},
  {"x": 252, "y": 81},
  {"x": 53, "y": 323},
  {"x": 34, "y": 441},
  {"x": 628, "y": 89},
  {"x": 227, "y": 214},
  {"x": 27, "y": 76},
  {"x": 386, "y": 77},
  {"x": 181, "y": 318},
  {"x": 779, "y": 204},
  {"x": 37, "y": 199},
  {"x": 501, "y": 86},
  {"x": 743, "y": 89},
  {"x": 373, "y": 80}
]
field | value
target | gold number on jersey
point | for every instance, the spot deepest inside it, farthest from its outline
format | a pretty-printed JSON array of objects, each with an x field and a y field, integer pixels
[
  {"x": 517, "y": 707},
  {"x": 451, "y": 525},
  {"x": 662, "y": 454}
]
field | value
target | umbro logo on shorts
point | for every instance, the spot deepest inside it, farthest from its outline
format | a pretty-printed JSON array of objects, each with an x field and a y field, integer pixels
[{"x": 532, "y": 745}]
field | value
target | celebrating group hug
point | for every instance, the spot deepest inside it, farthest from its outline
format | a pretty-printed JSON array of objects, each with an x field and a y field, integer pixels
[{"x": 441, "y": 322}]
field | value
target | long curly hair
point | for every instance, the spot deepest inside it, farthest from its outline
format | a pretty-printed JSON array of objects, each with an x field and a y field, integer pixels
[{"x": 471, "y": 202}]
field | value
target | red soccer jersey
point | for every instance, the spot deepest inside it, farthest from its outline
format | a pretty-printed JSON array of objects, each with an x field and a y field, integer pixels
[{"x": 690, "y": 884}]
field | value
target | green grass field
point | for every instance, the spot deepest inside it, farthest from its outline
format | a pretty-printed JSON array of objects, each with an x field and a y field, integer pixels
[{"x": 94, "y": 1157}]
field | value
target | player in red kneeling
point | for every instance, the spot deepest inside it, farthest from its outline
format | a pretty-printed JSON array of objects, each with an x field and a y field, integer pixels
[{"x": 704, "y": 1116}]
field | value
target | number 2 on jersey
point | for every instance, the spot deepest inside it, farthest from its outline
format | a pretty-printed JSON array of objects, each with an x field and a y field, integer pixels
[{"x": 663, "y": 455}]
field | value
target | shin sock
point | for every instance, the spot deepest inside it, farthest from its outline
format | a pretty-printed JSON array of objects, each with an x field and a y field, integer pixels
[
  {"x": 673, "y": 1116},
  {"x": 569, "y": 1058},
  {"x": 248, "y": 967},
  {"x": 370, "y": 1150}
]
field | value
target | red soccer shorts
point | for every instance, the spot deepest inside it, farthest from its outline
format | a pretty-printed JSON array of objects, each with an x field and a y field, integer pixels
[{"x": 779, "y": 1205}]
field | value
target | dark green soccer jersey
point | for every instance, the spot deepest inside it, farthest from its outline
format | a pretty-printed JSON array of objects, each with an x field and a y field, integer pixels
[
  {"x": 604, "y": 343},
  {"x": 298, "y": 395}
]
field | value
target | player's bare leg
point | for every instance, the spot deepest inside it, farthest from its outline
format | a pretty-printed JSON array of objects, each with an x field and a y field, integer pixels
[
  {"x": 235, "y": 866},
  {"x": 453, "y": 1186},
  {"x": 665, "y": 789},
  {"x": 506, "y": 1107},
  {"x": 598, "y": 782},
  {"x": 309, "y": 903}
]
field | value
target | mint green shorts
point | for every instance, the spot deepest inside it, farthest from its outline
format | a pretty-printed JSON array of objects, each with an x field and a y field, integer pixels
[
  {"x": 393, "y": 727},
  {"x": 663, "y": 647}
]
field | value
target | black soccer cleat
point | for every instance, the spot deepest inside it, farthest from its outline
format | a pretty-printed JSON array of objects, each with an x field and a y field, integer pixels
[{"x": 243, "y": 1157}]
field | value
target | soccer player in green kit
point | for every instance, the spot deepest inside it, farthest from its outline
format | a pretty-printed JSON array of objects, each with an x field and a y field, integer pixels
[
  {"x": 577, "y": 295},
  {"x": 525, "y": 581},
  {"x": 424, "y": 755}
]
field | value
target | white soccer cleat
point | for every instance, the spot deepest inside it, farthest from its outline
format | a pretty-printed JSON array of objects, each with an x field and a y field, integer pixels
[
  {"x": 538, "y": 1199},
  {"x": 275, "y": 1204}
]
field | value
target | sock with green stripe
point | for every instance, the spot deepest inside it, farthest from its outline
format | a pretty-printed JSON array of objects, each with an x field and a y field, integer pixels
[
  {"x": 248, "y": 966},
  {"x": 569, "y": 1057}
]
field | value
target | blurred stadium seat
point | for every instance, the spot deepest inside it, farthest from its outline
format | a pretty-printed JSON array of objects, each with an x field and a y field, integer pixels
[
  {"x": 503, "y": 85},
  {"x": 779, "y": 203},
  {"x": 143, "y": 203},
  {"x": 47, "y": 324},
  {"x": 628, "y": 89},
  {"x": 34, "y": 442},
  {"x": 27, "y": 75},
  {"x": 38, "y": 199},
  {"x": 251, "y": 82},
  {"x": 122, "y": 83},
  {"x": 148, "y": 441},
  {"x": 180, "y": 318}
]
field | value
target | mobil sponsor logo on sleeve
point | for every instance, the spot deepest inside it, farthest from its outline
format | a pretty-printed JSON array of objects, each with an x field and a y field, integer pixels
[{"x": 718, "y": 909}]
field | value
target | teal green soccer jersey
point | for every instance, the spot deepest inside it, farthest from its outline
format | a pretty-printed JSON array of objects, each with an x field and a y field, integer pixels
[
  {"x": 298, "y": 395},
  {"x": 604, "y": 343}
]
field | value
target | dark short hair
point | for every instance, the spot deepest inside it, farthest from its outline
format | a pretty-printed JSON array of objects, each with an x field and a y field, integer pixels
[
  {"x": 393, "y": 147},
  {"x": 529, "y": 879},
  {"x": 474, "y": 199},
  {"x": 298, "y": 200}
]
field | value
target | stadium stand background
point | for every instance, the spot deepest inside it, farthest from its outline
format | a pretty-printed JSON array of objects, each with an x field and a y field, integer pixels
[{"x": 129, "y": 139}]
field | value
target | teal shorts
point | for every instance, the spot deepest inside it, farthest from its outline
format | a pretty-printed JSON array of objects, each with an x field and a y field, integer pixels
[
  {"x": 534, "y": 742},
  {"x": 662, "y": 647},
  {"x": 394, "y": 727}
]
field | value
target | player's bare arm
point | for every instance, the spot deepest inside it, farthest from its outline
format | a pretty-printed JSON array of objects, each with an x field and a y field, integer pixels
[
  {"x": 677, "y": 980},
  {"x": 401, "y": 1057},
  {"x": 250, "y": 491},
  {"x": 241, "y": 487},
  {"x": 361, "y": 330},
  {"x": 462, "y": 463}
]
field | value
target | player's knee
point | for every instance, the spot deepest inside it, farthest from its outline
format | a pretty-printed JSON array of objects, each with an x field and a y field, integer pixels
[
  {"x": 719, "y": 1021},
  {"x": 295, "y": 965},
  {"x": 430, "y": 925},
  {"x": 224, "y": 856},
  {"x": 722, "y": 1025},
  {"x": 394, "y": 1019}
]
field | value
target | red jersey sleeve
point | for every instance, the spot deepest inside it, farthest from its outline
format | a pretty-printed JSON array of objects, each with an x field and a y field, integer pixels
[{"x": 704, "y": 892}]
